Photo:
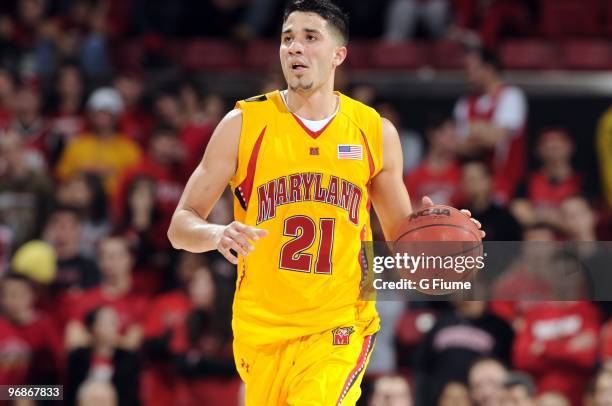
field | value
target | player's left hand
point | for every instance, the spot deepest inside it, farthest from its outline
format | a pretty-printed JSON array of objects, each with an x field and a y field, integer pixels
[{"x": 428, "y": 202}]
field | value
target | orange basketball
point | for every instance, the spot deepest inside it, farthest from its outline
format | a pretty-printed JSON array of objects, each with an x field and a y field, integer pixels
[{"x": 448, "y": 244}]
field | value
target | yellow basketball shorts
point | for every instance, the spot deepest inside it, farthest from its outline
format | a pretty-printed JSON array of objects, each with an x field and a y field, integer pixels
[{"x": 322, "y": 369}]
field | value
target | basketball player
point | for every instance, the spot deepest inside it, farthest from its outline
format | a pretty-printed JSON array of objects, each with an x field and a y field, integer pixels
[{"x": 304, "y": 165}]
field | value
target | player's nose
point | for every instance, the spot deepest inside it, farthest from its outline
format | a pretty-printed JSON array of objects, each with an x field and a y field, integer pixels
[{"x": 296, "y": 48}]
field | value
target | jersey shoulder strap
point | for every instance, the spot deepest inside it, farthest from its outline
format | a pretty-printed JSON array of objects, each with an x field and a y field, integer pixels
[{"x": 258, "y": 116}]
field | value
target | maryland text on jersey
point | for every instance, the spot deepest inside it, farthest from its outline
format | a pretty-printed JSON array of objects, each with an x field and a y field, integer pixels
[{"x": 305, "y": 187}]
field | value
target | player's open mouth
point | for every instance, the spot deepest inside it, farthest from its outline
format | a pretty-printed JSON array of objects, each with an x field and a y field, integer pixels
[{"x": 298, "y": 67}]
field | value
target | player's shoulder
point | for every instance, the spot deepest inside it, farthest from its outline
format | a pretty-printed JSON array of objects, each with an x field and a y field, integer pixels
[
  {"x": 260, "y": 102},
  {"x": 362, "y": 114}
]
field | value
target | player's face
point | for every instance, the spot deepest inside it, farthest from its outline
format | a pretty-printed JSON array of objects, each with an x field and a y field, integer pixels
[{"x": 309, "y": 51}]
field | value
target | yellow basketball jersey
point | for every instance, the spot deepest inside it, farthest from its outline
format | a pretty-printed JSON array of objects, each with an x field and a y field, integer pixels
[{"x": 310, "y": 191}]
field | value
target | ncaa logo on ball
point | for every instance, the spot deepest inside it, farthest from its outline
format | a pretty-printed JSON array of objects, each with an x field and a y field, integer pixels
[
  {"x": 342, "y": 335},
  {"x": 431, "y": 212}
]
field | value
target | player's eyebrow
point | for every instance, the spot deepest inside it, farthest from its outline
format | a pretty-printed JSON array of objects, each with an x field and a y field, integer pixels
[{"x": 308, "y": 30}]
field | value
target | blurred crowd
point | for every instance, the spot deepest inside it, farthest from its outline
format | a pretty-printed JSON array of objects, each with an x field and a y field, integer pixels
[{"x": 93, "y": 161}]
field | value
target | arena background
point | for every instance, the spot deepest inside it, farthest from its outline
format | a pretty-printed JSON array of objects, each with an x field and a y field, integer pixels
[{"x": 106, "y": 106}]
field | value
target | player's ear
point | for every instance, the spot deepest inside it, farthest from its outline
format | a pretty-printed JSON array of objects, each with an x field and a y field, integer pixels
[{"x": 339, "y": 56}]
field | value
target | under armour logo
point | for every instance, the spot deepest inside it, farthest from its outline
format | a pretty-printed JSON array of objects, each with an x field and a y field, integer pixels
[{"x": 244, "y": 365}]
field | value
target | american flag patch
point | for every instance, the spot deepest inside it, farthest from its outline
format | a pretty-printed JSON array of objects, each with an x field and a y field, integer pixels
[{"x": 350, "y": 152}]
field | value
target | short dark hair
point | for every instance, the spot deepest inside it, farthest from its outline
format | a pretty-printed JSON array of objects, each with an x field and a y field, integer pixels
[
  {"x": 487, "y": 57},
  {"x": 326, "y": 9},
  {"x": 12, "y": 275},
  {"x": 520, "y": 379},
  {"x": 163, "y": 130},
  {"x": 437, "y": 120},
  {"x": 61, "y": 208}
]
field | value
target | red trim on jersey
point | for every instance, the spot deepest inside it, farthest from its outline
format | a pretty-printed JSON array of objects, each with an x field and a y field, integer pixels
[
  {"x": 313, "y": 134},
  {"x": 365, "y": 350},
  {"x": 370, "y": 160},
  {"x": 246, "y": 187},
  {"x": 371, "y": 163}
]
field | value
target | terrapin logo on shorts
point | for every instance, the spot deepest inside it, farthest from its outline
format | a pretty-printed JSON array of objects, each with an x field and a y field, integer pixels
[{"x": 342, "y": 335}]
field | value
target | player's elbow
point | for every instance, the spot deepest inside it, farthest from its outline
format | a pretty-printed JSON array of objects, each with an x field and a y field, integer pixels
[{"x": 172, "y": 235}]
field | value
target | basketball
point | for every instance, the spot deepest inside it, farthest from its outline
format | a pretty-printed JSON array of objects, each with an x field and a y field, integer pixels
[
  {"x": 439, "y": 223},
  {"x": 446, "y": 244}
]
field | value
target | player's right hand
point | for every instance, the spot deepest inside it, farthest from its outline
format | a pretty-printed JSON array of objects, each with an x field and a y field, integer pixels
[{"x": 238, "y": 237}]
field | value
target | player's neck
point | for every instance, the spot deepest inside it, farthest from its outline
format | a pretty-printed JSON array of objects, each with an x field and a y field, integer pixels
[{"x": 316, "y": 105}]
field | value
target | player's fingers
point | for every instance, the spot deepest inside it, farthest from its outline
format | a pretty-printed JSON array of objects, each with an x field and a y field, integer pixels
[
  {"x": 466, "y": 212},
  {"x": 234, "y": 245},
  {"x": 241, "y": 239},
  {"x": 227, "y": 244},
  {"x": 252, "y": 233},
  {"x": 427, "y": 201},
  {"x": 476, "y": 222},
  {"x": 228, "y": 255},
  {"x": 482, "y": 234}
]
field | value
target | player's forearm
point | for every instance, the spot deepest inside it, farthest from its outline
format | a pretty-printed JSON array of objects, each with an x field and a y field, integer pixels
[{"x": 190, "y": 232}]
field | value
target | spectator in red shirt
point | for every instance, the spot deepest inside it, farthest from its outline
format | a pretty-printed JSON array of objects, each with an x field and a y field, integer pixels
[
  {"x": 116, "y": 290},
  {"x": 168, "y": 315},
  {"x": 558, "y": 346},
  {"x": 194, "y": 126},
  {"x": 15, "y": 355},
  {"x": 201, "y": 349},
  {"x": 74, "y": 272},
  {"x": 491, "y": 122},
  {"x": 438, "y": 175},
  {"x": 7, "y": 97},
  {"x": 141, "y": 224},
  {"x": 160, "y": 164},
  {"x": 579, "y": 224},
  {"x": 538, "y": 198},
  {"x": 490, "y": 19},
  {"x": 529, "y": 278},
  {"x": 38, "y": 331},
  {"x": 135, "y": 121}
]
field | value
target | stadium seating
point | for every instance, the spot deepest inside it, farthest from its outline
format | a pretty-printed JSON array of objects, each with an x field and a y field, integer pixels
[{"x": 529, "y": 54}]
